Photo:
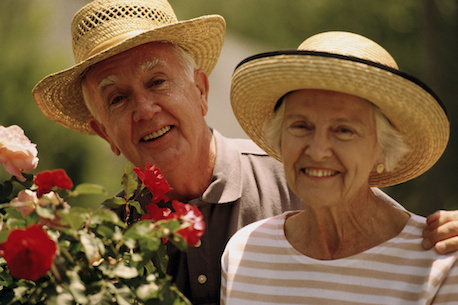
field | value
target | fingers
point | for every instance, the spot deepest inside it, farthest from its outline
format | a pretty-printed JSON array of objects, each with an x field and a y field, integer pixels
[
  {"x": 440, "y": 217},
  {"x": 441, "y": 232},
  {"x": 447, "y": 246}
]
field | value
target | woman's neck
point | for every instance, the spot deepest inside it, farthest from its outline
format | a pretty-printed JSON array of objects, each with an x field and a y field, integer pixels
[{"x": 345, "y": 229}]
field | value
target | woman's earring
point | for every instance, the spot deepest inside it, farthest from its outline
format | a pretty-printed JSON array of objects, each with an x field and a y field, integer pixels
[{"x": 380, "y": 168}]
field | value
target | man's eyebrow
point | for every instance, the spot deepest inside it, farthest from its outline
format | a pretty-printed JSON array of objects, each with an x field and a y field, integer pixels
[
  {"x": 107, "y": 81},
  {"x": 149, "y": 65},
  {"x": 111, "y": 80}
]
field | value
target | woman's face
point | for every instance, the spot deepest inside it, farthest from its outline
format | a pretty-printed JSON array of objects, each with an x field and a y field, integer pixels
[{"x": 328, "y": 145}]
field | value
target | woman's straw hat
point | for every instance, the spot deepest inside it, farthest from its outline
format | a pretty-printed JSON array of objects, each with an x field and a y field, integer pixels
[
  {"x": 104, "y": 28},
  {"x": 352, "y": 64}
]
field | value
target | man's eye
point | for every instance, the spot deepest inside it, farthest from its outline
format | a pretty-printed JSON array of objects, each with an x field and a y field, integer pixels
[
  {"x": 117, "y": 99},
  {"x": 156, "y": 82}
]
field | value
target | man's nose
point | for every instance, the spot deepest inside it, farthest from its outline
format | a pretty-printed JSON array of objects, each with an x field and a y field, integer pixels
[{"x": 145, "y": 107}]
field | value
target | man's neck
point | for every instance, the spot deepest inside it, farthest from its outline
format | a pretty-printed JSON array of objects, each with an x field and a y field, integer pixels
[{"x": 193, "y": 182}]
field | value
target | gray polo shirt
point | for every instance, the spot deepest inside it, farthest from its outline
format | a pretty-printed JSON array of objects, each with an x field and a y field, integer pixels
[{"x": 247, "y": 185}]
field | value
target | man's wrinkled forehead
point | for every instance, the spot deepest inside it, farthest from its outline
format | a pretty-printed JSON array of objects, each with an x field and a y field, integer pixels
[{"x": 111, "y": 80}]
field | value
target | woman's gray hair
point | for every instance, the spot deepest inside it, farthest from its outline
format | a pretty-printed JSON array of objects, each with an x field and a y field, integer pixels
[
  {"x": 186, "y": 61},
  {"x": 389, "y": 139}
]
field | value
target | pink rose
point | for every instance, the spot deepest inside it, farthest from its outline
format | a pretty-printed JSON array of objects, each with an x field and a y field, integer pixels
[
  {"x": 17, "y": 153},
  {"x": 27, "y": 201}
]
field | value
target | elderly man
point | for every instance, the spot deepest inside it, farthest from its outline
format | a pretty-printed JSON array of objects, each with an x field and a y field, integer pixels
[{"x": 141, "y": 84}]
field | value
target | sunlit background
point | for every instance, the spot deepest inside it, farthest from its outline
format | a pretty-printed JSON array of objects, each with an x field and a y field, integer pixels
[{"x": 420, "y": 34}]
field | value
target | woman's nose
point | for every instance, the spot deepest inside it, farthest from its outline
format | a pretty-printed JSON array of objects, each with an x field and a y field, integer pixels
[{"x": 319, "y": 146}]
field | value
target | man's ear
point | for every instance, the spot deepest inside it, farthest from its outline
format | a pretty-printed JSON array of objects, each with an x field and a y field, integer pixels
[
  {"x": 201, "y": 82},
  {"x": 100, "y": 130}
]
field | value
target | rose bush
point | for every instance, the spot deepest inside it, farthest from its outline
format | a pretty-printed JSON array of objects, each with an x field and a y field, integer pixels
[{"x": 51, "y": 253}]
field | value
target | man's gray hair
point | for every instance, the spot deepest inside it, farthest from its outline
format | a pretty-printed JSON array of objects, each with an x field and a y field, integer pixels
[{"x": 389, "y": 139}]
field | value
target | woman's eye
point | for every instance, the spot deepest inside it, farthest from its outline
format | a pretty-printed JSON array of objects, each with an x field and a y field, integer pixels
[
  {"x": 300, "y": 126},
  {"x": 345, "y": 133},
  {"x": 299, "y": 129}
]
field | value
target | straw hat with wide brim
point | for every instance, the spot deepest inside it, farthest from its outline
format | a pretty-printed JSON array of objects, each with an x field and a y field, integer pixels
[
  {"x": 352, "y": 64},
  {"x": 104, "y": 28}
]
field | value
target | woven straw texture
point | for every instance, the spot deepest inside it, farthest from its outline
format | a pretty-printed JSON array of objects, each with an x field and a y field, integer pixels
[
  {"x": 104, "y": 28},
  {"x": 259, "y": 83}
]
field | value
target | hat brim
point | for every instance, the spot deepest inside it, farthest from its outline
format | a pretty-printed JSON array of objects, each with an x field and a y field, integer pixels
[
  {"x": 260, "y": 81},
  {"x": 59, "y": 95}
]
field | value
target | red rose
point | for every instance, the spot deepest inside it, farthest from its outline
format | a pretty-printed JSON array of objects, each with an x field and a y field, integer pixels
[
  {"x": 156, "y": 213},
  {"x": 192, "y": 222},
  {"x": 29, "y": 253},
  {"x": 155, "y": 181},
  {"x": 46, "y": 180}
]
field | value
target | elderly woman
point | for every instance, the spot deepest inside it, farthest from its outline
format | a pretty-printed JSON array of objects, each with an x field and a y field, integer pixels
[{"x": 342, "y": 118}]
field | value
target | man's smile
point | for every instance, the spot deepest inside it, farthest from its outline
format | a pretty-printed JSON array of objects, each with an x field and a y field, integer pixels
[{"x": 156, "y": 134}]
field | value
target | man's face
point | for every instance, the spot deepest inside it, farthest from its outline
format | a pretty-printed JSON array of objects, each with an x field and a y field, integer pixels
[{"x": 149, "y": 108}]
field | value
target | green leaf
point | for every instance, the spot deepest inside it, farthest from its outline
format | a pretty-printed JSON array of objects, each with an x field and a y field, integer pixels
[
  {"x": 138, "y": 230},
  {"x": 47, "y": 211},
  {"x": 91, "y": 244},
  {"x": 124, "y": 271},
  {"x": 108, "y": 216},
  {"x": 137, "y": 206},
  {"x": 28, "y": 180},
  {"x": 5, "y": 190},
  {"x": 63, "y": 298},
  {"x": 17, "y": 223},
  {"x": 123, "y": 294},
  {"x": 75, "y": 217},
  {"x": 4, "y": 235},
  {"x": 148, "y": 291},
  {"x": 129, "y": 181},
  {"x": 88, "y": 189},
  {"x": 160, "y": 258},
  {"x": 6, "y": 296},
  {"x": 13, "y": 213},
  {"x": 105, "y": 232},
  {"x": 114, "y": 202},
  {"x": 77, "y": 287}
]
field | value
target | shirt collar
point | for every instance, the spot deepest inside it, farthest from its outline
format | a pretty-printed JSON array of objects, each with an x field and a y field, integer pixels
[{"x": 226, "y": 185}]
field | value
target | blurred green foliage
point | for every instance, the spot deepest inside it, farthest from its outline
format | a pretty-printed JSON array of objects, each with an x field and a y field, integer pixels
[{"x": 420, "y": 34}]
